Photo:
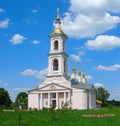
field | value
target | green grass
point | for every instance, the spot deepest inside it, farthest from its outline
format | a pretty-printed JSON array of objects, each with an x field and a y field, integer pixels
[{"x": 60, "y": 118}]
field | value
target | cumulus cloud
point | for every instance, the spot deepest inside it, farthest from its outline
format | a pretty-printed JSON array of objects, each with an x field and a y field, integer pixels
[
  {"x": 91, "y": 17},
  {"x": 97, "y": 85},
  {"x": 5, "y": 23},
  {"x": 35, "y": 42},
  {"x": 42, "y": 74},
  {"x": 75, "y": 58},
  {"x": 35, "y": 11},
  {"x": 3, "y": 83},
  {"x": 2, "y": 10},
  {"x": 104, "y": 42},
  {"x": 78, "y": 57},
  {"x": 89, "y": 77},
  {"x": 114, "y": 67},
  {"x": 17, "y": 39},
  {"x": 29, "y": 72},
  {"x": 21, "y": 89},
  {"x": 35, "y": 73}
]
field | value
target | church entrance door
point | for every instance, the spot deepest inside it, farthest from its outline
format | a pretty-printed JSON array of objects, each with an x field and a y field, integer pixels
[{"x": 54, "y": 103}]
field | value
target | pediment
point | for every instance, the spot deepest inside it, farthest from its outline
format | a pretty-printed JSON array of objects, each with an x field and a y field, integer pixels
[{"x": 53, "y": 86}]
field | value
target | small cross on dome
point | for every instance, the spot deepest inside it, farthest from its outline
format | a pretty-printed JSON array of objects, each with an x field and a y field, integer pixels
[{"x": 57, "y": 13}]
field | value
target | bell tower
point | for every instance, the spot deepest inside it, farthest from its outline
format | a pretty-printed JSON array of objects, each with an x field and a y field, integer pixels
[{"x": 57, "y": 57}]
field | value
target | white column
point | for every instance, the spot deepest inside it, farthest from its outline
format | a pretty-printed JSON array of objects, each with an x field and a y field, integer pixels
[
  {"x": 49, "y": 100},
  {"x": 89, "y": 99},
  {"x": 57, "y": 101},
  {"x": 38, "y": 101},
  {"x": 41, "y": 101},
  {"x": 64, "y": 97},
  {"x": 69, "y": 99}
]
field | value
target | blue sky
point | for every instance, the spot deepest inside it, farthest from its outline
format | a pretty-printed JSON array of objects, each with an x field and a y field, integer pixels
[{"x": 93, "y": 29}]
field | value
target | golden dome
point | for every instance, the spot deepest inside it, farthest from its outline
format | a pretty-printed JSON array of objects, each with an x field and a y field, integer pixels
[
  {"x": 79, "y": 73},
  {"x": 58, "y": 30},
  {"x": 73, "y": 70},
  {"x": 83, "y": 75}
]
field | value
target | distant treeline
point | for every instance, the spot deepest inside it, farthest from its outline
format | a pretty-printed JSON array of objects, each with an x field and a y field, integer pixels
[{"x": 114, "y": 103}]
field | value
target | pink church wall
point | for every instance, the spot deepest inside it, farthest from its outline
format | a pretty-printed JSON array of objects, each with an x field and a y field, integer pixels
[
  {"x": 79, "y": 99},
  {"x": 33, "y": 101}
]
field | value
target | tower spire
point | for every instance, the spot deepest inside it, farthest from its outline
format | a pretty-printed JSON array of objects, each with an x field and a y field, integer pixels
[
  {"x": 57, "y": 17},
  {"x": 58, "y": 22},
  {"x": 57, "y": 25}
]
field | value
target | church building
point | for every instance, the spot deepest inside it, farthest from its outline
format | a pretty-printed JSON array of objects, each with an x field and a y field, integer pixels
[{"x": 59, "y": 88}]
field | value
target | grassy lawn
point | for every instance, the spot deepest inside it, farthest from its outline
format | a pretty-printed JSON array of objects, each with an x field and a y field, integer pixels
[{"x": 60, "y": 118}]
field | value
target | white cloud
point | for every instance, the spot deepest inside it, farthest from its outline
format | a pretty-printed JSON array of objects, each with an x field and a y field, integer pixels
[
  {"x": 21, "y": 89},
  {"x": 35, "y": 42},
  {"x": 93, "y": 6},
  {"x": 3, "y": 83},
  {"x": 89, "y": 77},
  {"x": 42, "y": 74},
  {"x": 35, "y": 73},
  {"x": 97, "y": 85},
  {"x": 29, "y": 72},
  {"x": 108, "y": 68},
  {"x": 75, "y": 58},
  {"x": 17, "y": 39},
  {"x": 91, "y": 17},
  {"x": 35, "y": 11},
  {"x": 81, "y": 53},
  {"x": 104, "y": 42},
  {"x": 2, "y": 10},
  {"x": 78, "y": 57},
  {"x": 6, "y": 84},
  {"x": 5, "y": 23}
]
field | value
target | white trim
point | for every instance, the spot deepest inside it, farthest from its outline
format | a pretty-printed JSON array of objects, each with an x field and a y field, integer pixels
[
  {"x": 49, "y": 100},
  {"x": 38, "y": 101},
  {"x": 41, "y": 100},
  {"x": 64, "y": 97},
  {"x": 57, "y": 100},
  {"x": 90, "y": 99}
]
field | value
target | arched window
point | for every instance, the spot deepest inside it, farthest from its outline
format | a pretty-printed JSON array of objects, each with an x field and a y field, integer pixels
[
  {"x": 55, "y": 65},
  {"x": 56, "y": 45}
]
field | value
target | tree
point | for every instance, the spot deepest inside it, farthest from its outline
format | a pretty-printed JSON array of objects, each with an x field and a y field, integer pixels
[
  {"x": 22, "y": 100},
  {"x": 4, "y": 98},
  {"x": 103, "y": 95}
]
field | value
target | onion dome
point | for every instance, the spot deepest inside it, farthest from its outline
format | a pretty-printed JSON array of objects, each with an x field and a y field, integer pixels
[
  {"x": 83, "y": 75},
  {"x": 79, "y": 73},
  {"x": 58, "y": 30},
  {"x": 73, "y": 70},
  {"x": 57, "y": 24}
]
